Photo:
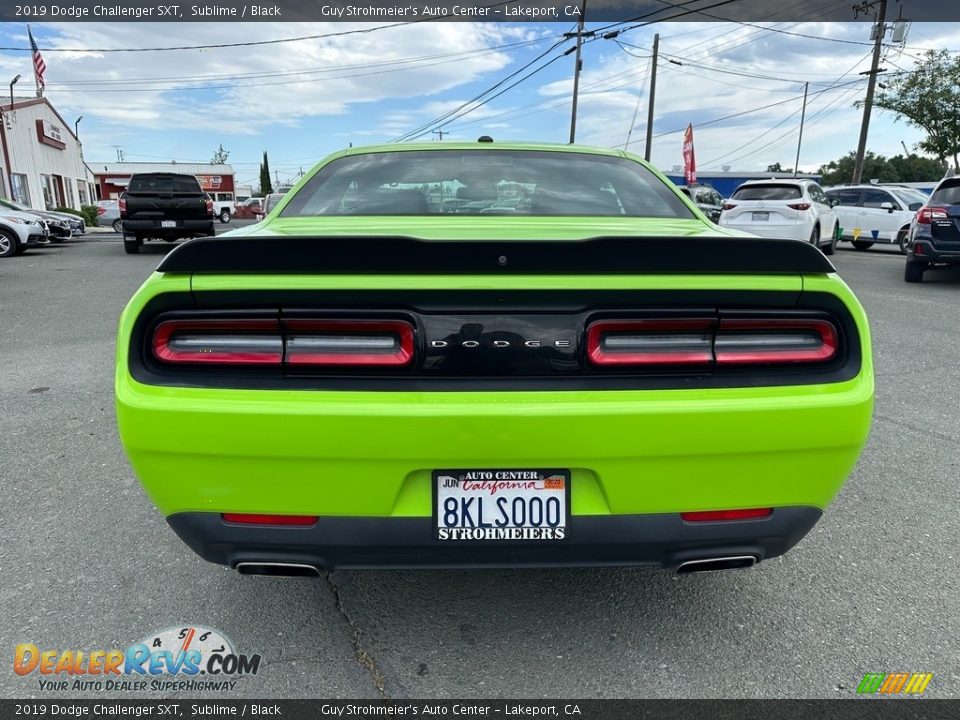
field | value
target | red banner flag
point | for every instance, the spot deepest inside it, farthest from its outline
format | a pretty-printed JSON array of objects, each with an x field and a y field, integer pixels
[{"x": 689, "y": 158}]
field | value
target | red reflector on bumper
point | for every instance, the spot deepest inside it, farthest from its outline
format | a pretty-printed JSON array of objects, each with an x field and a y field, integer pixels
[
  {"x": 254, "y": 519},
  {"x": 725, "y": 515}
]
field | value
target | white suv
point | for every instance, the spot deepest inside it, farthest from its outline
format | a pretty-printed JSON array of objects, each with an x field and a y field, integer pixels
[
  {"x": 871, "y": 214},
  {"x": 20, "y": 230},
  {"x": 785, "y": 208}
]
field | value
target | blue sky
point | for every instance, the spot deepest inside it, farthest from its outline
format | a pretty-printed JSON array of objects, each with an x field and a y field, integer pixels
[{"x": 301, "y": 100}]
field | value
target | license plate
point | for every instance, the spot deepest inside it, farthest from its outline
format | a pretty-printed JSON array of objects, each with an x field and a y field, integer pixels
[
  {"x": 760, "y": 216},
  {"x": 168, "y": 223},
  {"x": 501, "y": 504}
]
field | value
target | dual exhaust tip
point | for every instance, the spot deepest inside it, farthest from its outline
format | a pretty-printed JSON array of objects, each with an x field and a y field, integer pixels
[{"x": 688, "y": 567}]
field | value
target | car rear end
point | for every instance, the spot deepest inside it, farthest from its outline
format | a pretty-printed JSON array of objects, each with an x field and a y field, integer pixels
[
  {"x": 168, "y": 206},
  {"x": 769, "y": 209},
  {"x": 935, "y": 231},
  {"x": 391, "y": 406}
]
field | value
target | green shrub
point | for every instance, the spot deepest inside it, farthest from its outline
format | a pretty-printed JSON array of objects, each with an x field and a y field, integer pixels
[
  {"x": 89, "y": 213},
  {"x": 71, "y": 211}
]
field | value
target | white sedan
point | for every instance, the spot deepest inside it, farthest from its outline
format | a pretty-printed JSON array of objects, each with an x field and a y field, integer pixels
[{"x": 797, "y": 209}]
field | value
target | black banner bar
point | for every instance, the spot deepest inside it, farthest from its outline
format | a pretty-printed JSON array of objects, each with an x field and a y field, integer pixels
[{"x": 412, "y": 11}]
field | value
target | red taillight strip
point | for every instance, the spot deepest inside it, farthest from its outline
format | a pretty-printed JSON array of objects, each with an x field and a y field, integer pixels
[
  {"x": 726, "y": 515},
  {"x": 259, "y": 519},
  {"x": 691, "y": 341},
  {"x": 266, "y": 331},
  {"x": 353, "y": 336},
  {"x": 726, "y": 351}
]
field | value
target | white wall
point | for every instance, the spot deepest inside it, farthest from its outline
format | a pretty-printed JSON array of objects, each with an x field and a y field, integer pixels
[{"x": 32, "y": 158}]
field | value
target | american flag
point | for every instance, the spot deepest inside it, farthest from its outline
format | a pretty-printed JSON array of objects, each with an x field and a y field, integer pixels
[{"x": 39, "y": 66}]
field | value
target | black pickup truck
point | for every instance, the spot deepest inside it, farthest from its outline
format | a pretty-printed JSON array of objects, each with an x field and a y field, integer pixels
[{"x": 166, "y": 206}]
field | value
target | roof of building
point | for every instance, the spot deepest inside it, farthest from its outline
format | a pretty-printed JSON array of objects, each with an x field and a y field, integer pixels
[
  {"x": 131, "y": 168},
  {"x": 20, "y": 101}
]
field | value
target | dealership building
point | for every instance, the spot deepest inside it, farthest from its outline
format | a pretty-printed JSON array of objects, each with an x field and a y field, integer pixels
[
  {"x": 112, "y": 178},
  {"x": 41, "y": 158}
]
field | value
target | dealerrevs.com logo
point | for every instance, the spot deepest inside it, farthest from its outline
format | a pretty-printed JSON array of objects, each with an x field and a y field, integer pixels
[{"x": 190, "y": 658}]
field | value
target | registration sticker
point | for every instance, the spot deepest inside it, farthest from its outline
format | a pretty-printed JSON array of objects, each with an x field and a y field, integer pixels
[{"x": 512, "y": 504}]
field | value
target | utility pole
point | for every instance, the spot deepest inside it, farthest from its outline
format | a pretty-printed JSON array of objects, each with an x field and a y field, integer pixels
[
  {"x": 576, "y": 70},
  {"x": 803, "y": 116},
  {"x": 439, "y": 133},
  {"x": 879, "y": 31},
  {"x": 653, "y": 96}
]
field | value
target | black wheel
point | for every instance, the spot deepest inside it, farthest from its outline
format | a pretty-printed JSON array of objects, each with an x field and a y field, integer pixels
[
  {"x": 913, "y": 272},
  {"x": 117, "y": 225},
  {"x": 131, "y": 245},
  {"x": 903, "y": 240},
  {"x": 8, "y": 244},
  {"x": 831, "y": 247},
  {"x": 224, "y": 216},
  {"x": 815, "y": 236},
  {"x": 862, "y": 244},
  {"x": 168, "y": 239}
]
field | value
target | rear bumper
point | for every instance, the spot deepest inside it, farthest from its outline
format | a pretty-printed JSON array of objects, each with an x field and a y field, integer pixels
[
  {"x": 185, "y": 228},
  {"x": 792, "y": 231},
  {"x": 932, "y": 253},
  {"x": 364, "y": 542}
]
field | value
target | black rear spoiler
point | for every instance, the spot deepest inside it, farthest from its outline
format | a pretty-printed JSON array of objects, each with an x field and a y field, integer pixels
[{"x": 335, "y": 255}]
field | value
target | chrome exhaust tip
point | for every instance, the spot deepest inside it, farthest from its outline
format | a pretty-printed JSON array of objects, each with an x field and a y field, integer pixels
[
  {"x": 277, "y": 569},
  {"x": 729, "y": 562}
]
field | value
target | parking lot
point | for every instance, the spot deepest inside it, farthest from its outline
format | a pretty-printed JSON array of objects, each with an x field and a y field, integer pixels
[{"x": 88, "y": 563}]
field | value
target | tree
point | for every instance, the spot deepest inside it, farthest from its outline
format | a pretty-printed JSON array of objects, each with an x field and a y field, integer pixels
[
  {"x": 220, "y": 156},
  {"x": 777, "y": 168},
  {"x": 266, "y": 186},
  {"x": 913, "y": 168},
  {"x": 929, "y": 98}
]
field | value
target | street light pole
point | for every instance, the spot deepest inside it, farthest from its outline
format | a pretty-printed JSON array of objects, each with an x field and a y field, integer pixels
[
  {"x": 653, "y": 95},
  {"x": 880, "y": 31},
  {"x": 803, "y": 116}
]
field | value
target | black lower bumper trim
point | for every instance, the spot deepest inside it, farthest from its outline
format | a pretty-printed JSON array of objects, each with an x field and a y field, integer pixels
[{"x": 593, "y": 540}]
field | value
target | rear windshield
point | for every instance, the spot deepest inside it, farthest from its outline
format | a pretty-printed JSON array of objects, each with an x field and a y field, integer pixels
[
  {"x": 767, "y": 192},
  {"x": 947, "y": 194},
  {"x": 177, "y": 184},
  {"x": 485, "y": 182}
]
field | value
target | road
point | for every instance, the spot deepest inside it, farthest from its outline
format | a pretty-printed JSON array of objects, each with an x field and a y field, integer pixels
[{"x": 89, "y": 564}]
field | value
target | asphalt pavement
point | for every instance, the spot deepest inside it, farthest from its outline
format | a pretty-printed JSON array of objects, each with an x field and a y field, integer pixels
[{"x": 87, "y": 563}]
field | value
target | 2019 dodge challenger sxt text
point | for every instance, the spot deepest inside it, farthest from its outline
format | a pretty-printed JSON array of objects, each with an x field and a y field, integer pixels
[{"x": 491, "y": 355}]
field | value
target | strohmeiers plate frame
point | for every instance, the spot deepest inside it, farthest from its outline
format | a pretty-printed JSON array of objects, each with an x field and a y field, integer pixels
[{"x": 544, "y": 473}]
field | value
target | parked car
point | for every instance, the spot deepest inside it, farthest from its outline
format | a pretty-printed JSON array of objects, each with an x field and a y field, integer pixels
[
  {"x": 796, "y": 209},
  {"x": 62, "y": 226},
  {"x": 248, "y": 209},
  {"x": 935, "y": 232},
  {"x": 603, "y": 377},
  {"x": 871, "y": 214},
  {"x": 108, "y": 213},
  {"x": 270, "y": 202},
  {"x": 20, "y": 230},
  {"x": 706, "y": 198},
  {"x": 165, "y": 206},
  {"x": 223, "y": 203}
]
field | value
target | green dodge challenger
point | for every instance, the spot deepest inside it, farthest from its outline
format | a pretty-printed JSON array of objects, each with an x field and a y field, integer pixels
[{"x": 489, "y": 354}]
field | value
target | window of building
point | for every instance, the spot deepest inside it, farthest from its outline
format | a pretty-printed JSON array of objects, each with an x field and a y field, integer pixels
[
  {"x": 68, "y": 187},
  {"x": 82, "y": 192},
  {"x": 49, "y": 195},
  {"x": 21, "y": 191}
]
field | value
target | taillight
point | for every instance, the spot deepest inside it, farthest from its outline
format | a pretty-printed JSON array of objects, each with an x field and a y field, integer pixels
[
  {"x": 221, "y": 341},
  {"x": 729, "y": 342},
  {"x": 209, "y": 207},
  {"x": 742, "y": 341},
  {"x": 726, "y": 515},
  {"x": 926, "y": 214},
  {"x": 295, "y": 342},
  {"x": 260, "y": 519},
  {"x": 378, "y": 343},
  {"x": 652, "y": 341},
  {"x": 729, "y": 206},
  {"x": 799, "y": 206},
  {"x": 101, "y": 211},
  {"x": 122, "y": 204}
]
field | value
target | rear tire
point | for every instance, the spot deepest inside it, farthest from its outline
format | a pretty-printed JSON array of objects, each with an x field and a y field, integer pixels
[
  {"x": 903, "y": 240},
  {"x": 815, "y": 236},
  {"x": 831, "y": 247},
  {"x": 862, "y": 244},
  {"x": 8, "y": 244},
  {"x": 225, "y": 216},
  {"x": 118, "y": 225},
  {"x": 913, "y": 272},
  {"x": 131, "y": 246}
]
